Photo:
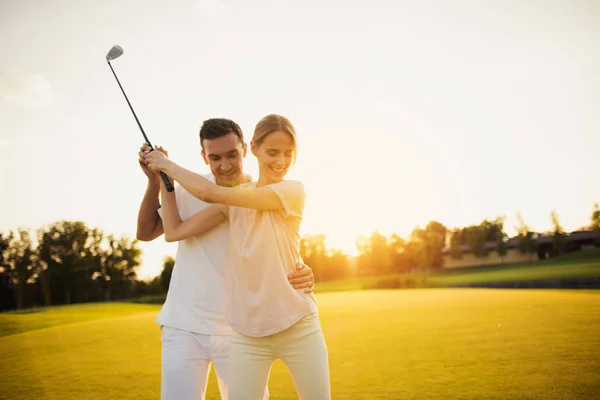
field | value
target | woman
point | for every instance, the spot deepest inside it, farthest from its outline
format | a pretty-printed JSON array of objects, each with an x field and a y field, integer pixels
[{"x": 270, "y": 319}]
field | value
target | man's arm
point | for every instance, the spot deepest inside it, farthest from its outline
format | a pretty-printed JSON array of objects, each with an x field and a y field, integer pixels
[
  {"x": 149, "y": 223},
  {"x": 175, "y": 229}
]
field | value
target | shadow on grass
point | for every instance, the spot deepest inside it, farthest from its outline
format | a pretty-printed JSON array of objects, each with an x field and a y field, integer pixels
[
  {"x": 155, "y": 299},
  {"x": 27, "y": 311}
]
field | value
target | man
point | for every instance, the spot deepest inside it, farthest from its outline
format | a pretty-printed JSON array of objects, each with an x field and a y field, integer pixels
[{"x": 194, "y": 329}]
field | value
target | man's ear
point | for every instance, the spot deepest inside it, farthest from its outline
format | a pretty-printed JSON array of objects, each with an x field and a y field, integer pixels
[
  {"x": 244, "y": 149},
  {"x": 204, "y": 156}
]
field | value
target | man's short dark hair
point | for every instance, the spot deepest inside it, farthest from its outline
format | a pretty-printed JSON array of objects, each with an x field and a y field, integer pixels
[{"x": 217, "y": 127}]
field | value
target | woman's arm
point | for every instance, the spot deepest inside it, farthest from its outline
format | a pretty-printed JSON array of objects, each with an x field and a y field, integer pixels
[
  {"x": 176, "y": 229},
  {"x": 259, "y": 198}
]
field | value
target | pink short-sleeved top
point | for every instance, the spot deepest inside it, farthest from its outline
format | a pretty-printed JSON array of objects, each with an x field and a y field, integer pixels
[{"x": 263, "y": 250}]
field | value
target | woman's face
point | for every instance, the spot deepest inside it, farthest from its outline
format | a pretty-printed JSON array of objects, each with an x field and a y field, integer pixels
[{"x": 275, "y": 156}]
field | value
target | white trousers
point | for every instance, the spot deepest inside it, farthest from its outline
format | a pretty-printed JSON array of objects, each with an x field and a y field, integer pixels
[
  {"x": 302, "y": 349},
  {"x": 186, "y": 361}
]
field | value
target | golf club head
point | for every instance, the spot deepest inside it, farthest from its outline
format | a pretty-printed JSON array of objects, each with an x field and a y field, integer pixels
[{"x": 115, "y": 52}]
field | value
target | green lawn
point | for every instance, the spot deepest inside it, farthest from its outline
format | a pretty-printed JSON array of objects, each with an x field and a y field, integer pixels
[
  {"x": 21, "y": 321},
  {"x": 409, "y": 344},
  {"x": 585, "y": 264}
]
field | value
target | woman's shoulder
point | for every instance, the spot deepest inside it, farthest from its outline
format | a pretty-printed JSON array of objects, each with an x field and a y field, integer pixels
[
  {"x": 292, "y": 189},
  {"x": 290, "y": 183}
]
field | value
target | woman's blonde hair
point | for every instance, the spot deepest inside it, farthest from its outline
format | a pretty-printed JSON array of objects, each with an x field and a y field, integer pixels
[{"x": 273, "y": 123}]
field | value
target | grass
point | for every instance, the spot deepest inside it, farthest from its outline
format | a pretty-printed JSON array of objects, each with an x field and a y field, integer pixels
[
  {"x": 12, "y": 322},
  {"x": 585, "y": 264},
  {"x": 383, "y": 344},
  {"x": 355, "y": 283}
]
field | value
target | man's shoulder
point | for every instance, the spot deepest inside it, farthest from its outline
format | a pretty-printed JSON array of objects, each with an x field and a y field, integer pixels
[
  {"x": 247, "y": 185},
  {"x": 181, "y": 191}
]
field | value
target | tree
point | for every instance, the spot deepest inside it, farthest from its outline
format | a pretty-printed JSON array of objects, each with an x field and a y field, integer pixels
[
  {"x": 374, "y": 254},
  {"x": 430, "y": 243},
  {"x": 46, "y": 258},
  {"x": 167, "y": 272},
  {"x": 492, "y": 228},
  {"x": 337, "y": 266},
  {"x": 149, "y": 287},
  {"x": 501, "y": 245},
  {"x": 80, "y": 264},
  {"x": 559, "y": 237},
  {"x": 379, "y": 253},
  {"x": 63, "y": 252},
  {"x": 436, "y": 241},
  {"x": 497, "y": 228},
  {"x": 527, "y": 244},
  {"x": 19, "y": 263},
  {"x": 314, "y": 254},
  {"x": 399, "y": 257},
  {"x": 326, "y": 264},
  {"x": 4, "y": 245},
  {"x": 595, "y": 218},
  {"x": 7, "y": 298},
  {"x": 412, "y": 251},
  {"x": 96, "y": 258},
  {"x": 122, "y": 259},
  {"x": 456, "y": 242},
  {"x": 363, "y": 258},
  {"x": 476, "y": 240},
  {"x": 70, "y": 263},
  {"x": 595, "y": 225}
]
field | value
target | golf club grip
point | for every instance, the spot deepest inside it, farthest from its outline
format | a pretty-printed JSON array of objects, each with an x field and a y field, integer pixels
[{"x": 167, "y": 182}]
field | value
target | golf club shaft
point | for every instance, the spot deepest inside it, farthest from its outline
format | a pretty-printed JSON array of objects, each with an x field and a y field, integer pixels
[
  {"x": 166, "y": 180},
  {"x": 129, "y": 104}
]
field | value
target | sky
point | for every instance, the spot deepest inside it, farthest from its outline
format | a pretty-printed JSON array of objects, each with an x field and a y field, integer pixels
[{"x": 406, "y": 111}]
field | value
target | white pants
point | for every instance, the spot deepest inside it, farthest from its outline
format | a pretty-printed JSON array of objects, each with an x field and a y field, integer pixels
[
  {"x": 302, "y": 349},
  {"x": 186, "y": 360}
]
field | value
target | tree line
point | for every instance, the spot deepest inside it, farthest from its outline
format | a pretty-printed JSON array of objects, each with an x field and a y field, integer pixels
[
  {"x": 68, "y": 262},
  {"x": 424, "y": 248}
]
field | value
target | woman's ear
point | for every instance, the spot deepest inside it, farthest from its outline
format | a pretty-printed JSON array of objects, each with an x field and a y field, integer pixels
[{"x": 253, "y": 148}]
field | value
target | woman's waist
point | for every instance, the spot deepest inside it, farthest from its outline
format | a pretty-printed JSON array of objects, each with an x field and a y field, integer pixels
[
  {"x": 271, "y": 299},
  {"x": 266, "y": 318},
  {"x": 263, "y": 263}
]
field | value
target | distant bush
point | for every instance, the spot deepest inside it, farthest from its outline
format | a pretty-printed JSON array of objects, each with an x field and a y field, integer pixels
[
  {"x": 396, "y": 282},
  {"x": 154, "y": 299}
]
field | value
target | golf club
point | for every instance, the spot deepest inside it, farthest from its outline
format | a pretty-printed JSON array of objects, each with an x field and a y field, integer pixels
[{"x": 115, "y": 52}]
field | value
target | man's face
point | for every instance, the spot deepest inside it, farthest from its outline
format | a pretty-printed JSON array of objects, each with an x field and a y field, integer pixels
[{"x": 225, "y": 157}]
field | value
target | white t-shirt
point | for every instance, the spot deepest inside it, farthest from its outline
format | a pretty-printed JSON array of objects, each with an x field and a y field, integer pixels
[{"x": 197, "y": 296}]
